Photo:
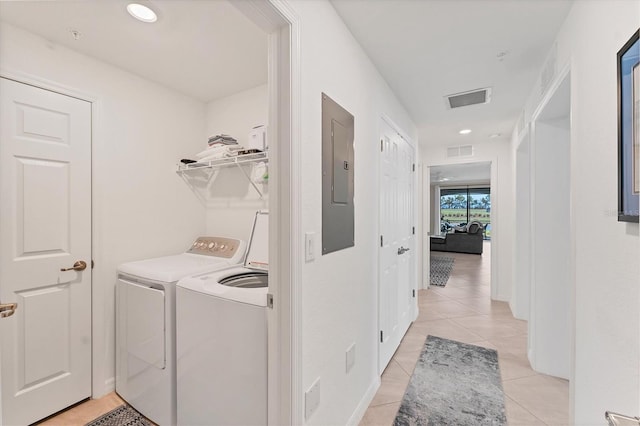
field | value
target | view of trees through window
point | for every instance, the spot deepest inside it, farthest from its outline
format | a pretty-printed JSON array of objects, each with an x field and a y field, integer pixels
[{"x": 459, "y": 206}]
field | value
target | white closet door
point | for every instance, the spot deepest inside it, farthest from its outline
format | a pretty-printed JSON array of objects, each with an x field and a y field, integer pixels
[
  {"x": 396, "y": 278},
  {"x": 45, "y": 226}
]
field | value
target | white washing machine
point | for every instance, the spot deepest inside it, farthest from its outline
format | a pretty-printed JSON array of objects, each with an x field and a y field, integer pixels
[
  {"x": 222, "y": 340},
  {"x": 145, "y": 322}
]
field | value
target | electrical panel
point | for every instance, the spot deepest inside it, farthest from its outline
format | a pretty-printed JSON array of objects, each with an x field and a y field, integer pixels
[{"x": 337, "y": 177}]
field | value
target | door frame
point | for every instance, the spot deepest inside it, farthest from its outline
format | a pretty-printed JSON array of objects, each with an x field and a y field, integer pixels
[
  {"x": 285, "y": 396},
  {"x": 536, "y": 117},
  {"x": 97, "y": 314}
]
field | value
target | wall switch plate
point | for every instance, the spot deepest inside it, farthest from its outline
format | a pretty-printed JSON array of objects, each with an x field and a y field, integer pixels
[
  {"x": 350, "y": 357},
  {"x": 312, "y": 399},
  {"x": 309, "y": 246}
]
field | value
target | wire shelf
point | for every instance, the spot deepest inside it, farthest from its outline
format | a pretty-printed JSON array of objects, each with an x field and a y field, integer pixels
[
  {"x": 199, "y": 174},
  {"x": 223, "y": 162}
]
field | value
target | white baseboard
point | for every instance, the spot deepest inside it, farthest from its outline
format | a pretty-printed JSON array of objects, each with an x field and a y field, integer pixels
[{"x": 358, "y": 413}]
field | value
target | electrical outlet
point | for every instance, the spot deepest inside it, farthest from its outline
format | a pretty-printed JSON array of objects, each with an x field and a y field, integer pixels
[
  {"x": 309, "y": 246},
  {"x": 312, "y": 399},
  {"x": 350, "y": 356}
]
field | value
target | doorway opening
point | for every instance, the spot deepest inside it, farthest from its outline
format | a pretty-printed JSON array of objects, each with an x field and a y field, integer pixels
[{"x": 460, "y": 213}]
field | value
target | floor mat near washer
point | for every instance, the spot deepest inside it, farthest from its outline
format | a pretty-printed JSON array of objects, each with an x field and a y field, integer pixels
[{"x": 124, "y": 415}]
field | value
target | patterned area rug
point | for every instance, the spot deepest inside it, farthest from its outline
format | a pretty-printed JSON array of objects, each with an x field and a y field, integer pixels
[
  {"x": 440, "y": 270},
  {"x": 124, "y": 415},
  {"x": 453, "y": 384}
]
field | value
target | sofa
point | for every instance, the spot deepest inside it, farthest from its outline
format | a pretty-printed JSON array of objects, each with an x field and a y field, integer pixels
[{"x": 464, "y": 240}]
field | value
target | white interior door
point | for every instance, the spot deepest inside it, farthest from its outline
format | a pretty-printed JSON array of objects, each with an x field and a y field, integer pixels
[
  {"x": 45, "y": 226},
  {"x": 396, "y": 293}
]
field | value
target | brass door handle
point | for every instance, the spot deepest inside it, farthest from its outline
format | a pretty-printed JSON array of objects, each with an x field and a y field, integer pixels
[
  {"x": 7, "y": 309},
  {"x": 80, "y": 265}
]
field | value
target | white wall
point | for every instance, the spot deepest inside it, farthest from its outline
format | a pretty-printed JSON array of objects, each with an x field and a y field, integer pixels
[
  {"x": 549, "y": 322},
  {"x": 141, "y": 208},
  {"x": 498, "y": 152},
  {"x": 235, "y": 115},
  {"x": 521, "y": 286},
  {"x": 606, "y": 370},
  {"x": 339, "y": 290}
]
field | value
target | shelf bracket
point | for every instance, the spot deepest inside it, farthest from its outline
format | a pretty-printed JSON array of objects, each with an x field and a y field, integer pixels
[{"x": 244, "y": 172}]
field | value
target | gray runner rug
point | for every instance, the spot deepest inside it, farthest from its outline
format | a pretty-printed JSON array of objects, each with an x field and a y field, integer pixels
[
  {"x": 440, "y": 270},
  {"x": 124, "y": 415},
  {"x": 453, "y": 384}
]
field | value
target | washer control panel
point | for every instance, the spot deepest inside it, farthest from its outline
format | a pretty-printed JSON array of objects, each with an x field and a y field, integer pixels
[{"x": 215, "y": 246}]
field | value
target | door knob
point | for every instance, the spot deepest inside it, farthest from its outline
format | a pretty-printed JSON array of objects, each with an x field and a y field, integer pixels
[
  {"x": 402, "y": 250},
  {"x": 80, "y": 265},
  {"x": 7, "y": 309}
]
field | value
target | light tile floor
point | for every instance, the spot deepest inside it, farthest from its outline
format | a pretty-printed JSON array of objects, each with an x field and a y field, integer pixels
[{"x": 463, "y": 311}]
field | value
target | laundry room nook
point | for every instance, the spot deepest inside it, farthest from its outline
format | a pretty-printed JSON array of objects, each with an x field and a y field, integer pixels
[{"x": 137, "y": 156}]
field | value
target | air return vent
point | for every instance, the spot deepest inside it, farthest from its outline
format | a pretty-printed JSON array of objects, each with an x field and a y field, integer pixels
[
  {"x": 473, "y": 97},
  {"x": 460, "y": 151}
]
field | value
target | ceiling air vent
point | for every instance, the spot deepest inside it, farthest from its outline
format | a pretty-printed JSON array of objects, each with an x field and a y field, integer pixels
[
  {"x": 460, "y": 151},
  {"x": 473, "y": 97}
]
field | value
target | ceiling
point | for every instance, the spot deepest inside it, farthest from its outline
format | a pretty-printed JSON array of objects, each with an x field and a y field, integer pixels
[
  {"x": 431, "y": 48},
  {"x": 461, "y": 173},
  {"x": 204, "y": 49},
  {"x": 425, "y": 49}
]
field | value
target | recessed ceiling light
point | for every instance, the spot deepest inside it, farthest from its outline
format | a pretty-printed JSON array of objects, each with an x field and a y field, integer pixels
[
  {"x": 141, "y": 13},
  {"x": 495, "y": 135},
  {"x": 465, "y": 131}
]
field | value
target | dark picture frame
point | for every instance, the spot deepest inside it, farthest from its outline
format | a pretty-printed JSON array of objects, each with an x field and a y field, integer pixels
[{"x": 628, "y": 70}]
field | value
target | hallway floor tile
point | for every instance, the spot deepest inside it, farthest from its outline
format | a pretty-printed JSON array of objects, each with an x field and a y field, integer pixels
[{"x": 463, "y": 311}]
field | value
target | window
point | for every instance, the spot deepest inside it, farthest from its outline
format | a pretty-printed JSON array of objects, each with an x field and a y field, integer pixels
[{"x": 459, "y": 206}]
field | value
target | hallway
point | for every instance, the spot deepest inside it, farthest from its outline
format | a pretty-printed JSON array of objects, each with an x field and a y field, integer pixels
[{"x": 463, "y": 311}]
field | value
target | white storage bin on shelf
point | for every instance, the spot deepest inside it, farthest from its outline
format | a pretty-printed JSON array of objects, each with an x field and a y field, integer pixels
[{"x": 198, "y": 175}]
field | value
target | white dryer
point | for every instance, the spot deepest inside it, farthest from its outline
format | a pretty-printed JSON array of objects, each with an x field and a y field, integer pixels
[
  {"x": 222, "y": 340},
  {"x": 146, "y": 327}
]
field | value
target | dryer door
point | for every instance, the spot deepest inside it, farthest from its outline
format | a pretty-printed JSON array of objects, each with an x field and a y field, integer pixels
[{"x": 144, "y": 308}]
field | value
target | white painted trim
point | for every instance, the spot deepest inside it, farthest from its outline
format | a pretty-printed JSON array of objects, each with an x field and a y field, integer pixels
[
  {"x": 277, "y": 18},
  {"x": 426, "y": 226},
  {"x": 419, "y": 236},
  {"x": 399, "y": 131},
  {"x": 496, "y": 287},
  {"x": 525, "y": 134},
  {"x": 551, "y": 91},
  {"x": 43, "y": 83},
  {"x": 366, "y": 399},
  {"x": 101, "y": 385},
  {"x": 574, "y": 146},
  {"x": 531, "y": 326}
]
